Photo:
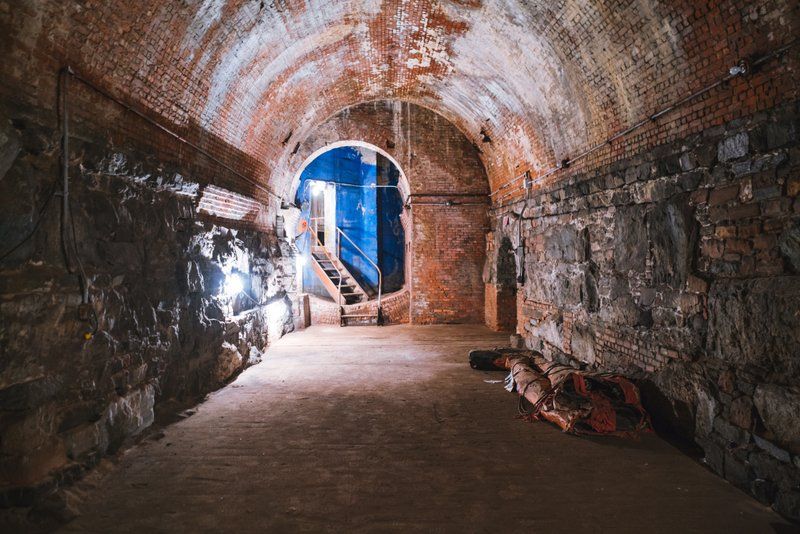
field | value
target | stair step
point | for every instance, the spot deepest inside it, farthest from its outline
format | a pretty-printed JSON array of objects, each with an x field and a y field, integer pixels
[
  {"x": 361, "y": 316},
  {"x": 335, "y": 272}
]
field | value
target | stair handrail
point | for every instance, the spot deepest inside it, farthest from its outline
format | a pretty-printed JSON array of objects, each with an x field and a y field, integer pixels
[
  {"x": 315, "y": 221},
  {"x": 380, "y": 274}
]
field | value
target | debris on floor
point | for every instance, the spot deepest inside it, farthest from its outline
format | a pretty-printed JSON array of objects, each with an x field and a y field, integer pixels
[{"x": 578, "y": 401}]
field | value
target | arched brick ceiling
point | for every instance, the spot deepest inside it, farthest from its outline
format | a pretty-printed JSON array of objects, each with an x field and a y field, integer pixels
[{"x": 542, "y": 78}]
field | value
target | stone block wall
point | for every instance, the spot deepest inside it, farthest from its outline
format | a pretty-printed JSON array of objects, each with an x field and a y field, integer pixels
[
  {"x": 76, "y": 382},
  {"x": 680, "y": 266}
]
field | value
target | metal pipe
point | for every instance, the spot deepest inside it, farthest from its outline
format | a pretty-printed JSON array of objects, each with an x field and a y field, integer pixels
[
  {"x": 481, "y": 195},
  {"x": 740, "y": 69},
  {"x": 66, "y": 215},
  {"x": 449, "y": 204},
  {"x": 371, "y": 186},
  {"x": 166, "y": 130},
  {"x": 65, "y": 165}
]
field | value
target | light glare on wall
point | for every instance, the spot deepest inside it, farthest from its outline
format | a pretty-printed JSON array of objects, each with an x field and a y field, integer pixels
[
  {"x": 233, "y": 285},
  {"x": 276, "y": 311}
]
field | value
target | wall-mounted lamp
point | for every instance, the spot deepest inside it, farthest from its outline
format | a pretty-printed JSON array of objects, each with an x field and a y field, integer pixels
[{"x": 740, "y": 69}]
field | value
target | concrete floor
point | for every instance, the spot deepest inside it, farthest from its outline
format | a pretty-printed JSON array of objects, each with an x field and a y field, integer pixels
[{"x": 369, "y": 429}]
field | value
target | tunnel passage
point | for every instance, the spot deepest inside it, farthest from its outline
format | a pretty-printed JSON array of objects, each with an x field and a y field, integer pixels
[{"x": 637, "y": 160}]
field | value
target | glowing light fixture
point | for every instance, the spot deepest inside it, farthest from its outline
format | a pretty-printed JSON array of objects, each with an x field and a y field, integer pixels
[
  {"x": 317, "y": 187},
  {"x": 233, "y": 285}
]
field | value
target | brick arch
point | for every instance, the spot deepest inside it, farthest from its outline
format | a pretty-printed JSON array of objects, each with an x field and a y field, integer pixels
[
  {"x": 402, "y": 185},
  {"x": 418, "y": 140},
  {"x": 543, "y": 80}
]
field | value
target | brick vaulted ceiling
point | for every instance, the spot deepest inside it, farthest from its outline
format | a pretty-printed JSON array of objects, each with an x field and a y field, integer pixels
[{"x": 542, "y": 79}]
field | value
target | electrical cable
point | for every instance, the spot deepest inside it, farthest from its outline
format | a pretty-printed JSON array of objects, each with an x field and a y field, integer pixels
[
  {"x": 84, "y": 281},
  {"x": 60, "y": 110},
  {"x": 36, "y": 225},
  {"x": 64, "y": 116},
  {"x": 67, "y": 218}
]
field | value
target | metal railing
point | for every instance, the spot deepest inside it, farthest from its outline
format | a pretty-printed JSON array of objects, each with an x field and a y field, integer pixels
[
  {"x": 340, "y": 234},
  {"x": 315, "y": 230}
]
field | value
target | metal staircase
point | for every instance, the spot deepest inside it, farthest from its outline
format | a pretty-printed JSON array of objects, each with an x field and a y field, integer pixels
[
  {"x": 336, "y": 278},
  {"x": 340, "y": 284}
]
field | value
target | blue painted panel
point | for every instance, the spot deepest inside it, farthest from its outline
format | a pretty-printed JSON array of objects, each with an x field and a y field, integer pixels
[
  {"x": 368, "y": 215},
  {"x": 391, "y": 237}
]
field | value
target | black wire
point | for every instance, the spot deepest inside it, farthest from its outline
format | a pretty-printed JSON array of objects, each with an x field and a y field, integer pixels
[
  {"x": 36, "y": 225},
  {"x": 44, "y": 207},
  {"x": 64, "y": 240},
  {"x": 82, "y": 273},
  {"x": 94, "y": 321}
]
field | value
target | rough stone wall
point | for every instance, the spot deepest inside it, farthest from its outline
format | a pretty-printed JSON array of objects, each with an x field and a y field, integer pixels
[
  {"x": 681, "y": 266},
  {"x": 448, "y": 189},
  {"x": 155, "y": 272}
]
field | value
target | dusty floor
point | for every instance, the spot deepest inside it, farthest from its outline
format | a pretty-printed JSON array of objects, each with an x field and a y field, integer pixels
[{"x": 388, "y": 429}]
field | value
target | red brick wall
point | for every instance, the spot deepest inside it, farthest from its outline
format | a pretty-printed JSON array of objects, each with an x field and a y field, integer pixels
[
  {"x": 501, "y": 308},
  {"x": 395, "y": 309},
  {"x": 448, "y": 253},
  {"x": 716, "y": 36}
]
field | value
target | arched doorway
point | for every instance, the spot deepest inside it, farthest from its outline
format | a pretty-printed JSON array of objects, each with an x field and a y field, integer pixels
[
  {"x": 352, "y": 242},
  {"x": 444, "y": 185}
]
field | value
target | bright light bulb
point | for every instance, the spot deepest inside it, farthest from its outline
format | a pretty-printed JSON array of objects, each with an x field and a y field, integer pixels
[
  {"x": 233, "y": 285},
  {"x": 317, "y": 187}
]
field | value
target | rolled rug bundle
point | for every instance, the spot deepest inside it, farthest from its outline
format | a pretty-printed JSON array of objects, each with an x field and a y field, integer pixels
[{"x": 579, "y": 402}]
